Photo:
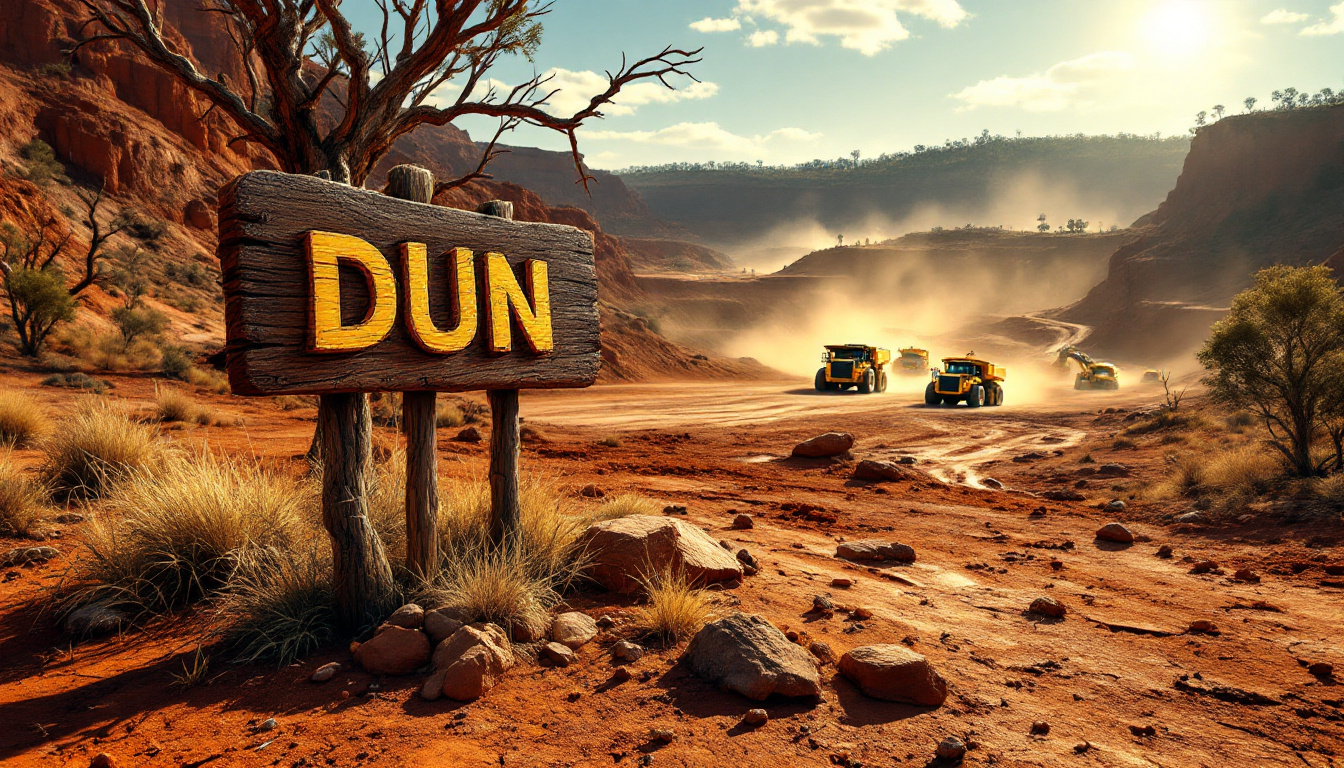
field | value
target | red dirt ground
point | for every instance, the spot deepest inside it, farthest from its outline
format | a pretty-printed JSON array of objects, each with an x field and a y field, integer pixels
[{"x": 1120, "y": 661}]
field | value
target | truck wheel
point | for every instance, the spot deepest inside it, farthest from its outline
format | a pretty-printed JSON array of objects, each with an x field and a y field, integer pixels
[
  {"x": 998, "y": 395},
  {"x": 976, "y": 397},
  {"x": 931, "y": 397},
  {"x": 820, "y": 382},
  {"x": 869, "y": 382},
  {"x": 882, "y": 381}
]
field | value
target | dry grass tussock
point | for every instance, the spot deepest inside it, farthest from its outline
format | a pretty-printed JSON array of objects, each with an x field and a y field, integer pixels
[
  {"x": 1167, "y": 420},
  {"x": 674, "y": 610},
  {"x": 172, "y": 404},
  {"x": 543, "y": 563},
  {"x": 22, "y": 499},
  {"x": 1242, "y": 471},
  {"x": 278, "y": 605},
  {"x": 94, "y": 447},
  {"x": 175, "y": 533},
  {"x": 624, "y": 505},
  {"x": 22, "y": 420}
]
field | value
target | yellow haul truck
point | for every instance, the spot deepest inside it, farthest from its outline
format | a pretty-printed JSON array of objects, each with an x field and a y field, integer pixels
[
  {"x": 966, "y": 379},
  {"x": 853, "y": 365},
  {"x": 913, "y": 361}
]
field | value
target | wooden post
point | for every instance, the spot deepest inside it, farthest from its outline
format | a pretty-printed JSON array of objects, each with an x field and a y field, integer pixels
[
  {"x": 505, "y": 440},
  {"x": 419, "y": 417}
]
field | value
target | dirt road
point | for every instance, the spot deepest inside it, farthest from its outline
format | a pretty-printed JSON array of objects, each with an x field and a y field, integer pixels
[{"x": 1121, "y": 680}]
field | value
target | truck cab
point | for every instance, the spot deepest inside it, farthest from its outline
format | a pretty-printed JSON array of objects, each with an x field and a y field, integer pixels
[
  {"x": 853, "y": 365},
  {"x": 969, "y": 379}
]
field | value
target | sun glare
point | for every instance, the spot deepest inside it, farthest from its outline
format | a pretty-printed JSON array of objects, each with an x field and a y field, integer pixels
[{"x": 1178, "y": 27}]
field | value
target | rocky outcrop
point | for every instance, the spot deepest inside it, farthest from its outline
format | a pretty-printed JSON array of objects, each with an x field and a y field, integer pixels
[
  {"x": 894, "y": 673},
  {"x": 621, "y": 552},
  {"x": 394, "y": 651}
]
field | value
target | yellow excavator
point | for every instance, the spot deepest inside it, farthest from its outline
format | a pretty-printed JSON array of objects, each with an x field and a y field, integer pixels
[{"x": 1091, "y": 374}]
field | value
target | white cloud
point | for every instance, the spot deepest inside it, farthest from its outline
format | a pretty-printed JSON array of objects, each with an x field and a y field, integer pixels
[
  {"x": 1331, "y": 26},
  {"x": 1053, "y": 90},
  {"x": 709, "y": 24},
  {"x": 704, "y": 136},
  {"x": 1283, "y": 16},
  {"x": 762, "y": 37},
  {"x": 867, "y": 26}
]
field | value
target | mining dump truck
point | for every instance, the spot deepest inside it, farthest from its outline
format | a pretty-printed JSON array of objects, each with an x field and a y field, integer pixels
[
  {"x": 912, "y": 362},
  {"x": 853, "y": 365},
  {"x": 1091, "y": 374},
  {"x": 966, "y": 379}
]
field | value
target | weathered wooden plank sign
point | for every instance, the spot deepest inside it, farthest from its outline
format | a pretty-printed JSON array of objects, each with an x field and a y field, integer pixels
[{"x": 332, "y": 289}]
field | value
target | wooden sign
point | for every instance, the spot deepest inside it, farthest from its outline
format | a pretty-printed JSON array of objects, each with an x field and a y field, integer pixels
[{"x": 329, "y": 288}]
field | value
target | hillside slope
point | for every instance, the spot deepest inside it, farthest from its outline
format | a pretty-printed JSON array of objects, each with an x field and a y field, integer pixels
[
  {"x": 1000, "y": 182},
  {"x": 1259, "y": 189}
]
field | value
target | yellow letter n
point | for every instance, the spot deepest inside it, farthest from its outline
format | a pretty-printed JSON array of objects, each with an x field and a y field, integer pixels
[
  {"x": 423, "y": 330},
  {"x": 506, "y": 294},
  {"x": 326, "y": 250}
]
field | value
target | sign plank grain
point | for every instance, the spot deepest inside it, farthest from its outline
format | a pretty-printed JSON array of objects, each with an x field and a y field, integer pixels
[{"x": 265, "y": 222}]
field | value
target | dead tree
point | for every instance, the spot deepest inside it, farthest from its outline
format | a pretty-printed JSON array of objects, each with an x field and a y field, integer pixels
[{"x": 320, "y": 102}]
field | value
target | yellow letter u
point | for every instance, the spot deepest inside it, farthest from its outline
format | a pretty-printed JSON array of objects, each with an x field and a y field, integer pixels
[{"x": 415, "y": 264}]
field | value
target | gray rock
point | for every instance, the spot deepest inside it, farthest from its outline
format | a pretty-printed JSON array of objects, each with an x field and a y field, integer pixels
[
  {"x": 747, "y": 654},
  {"x": 557, "y": 654},
  {"x": 573, "y": 629},
  {"x": 882, "y": 471},
  {"x": 951, "y": 748},
  {"x": 823, "y": 446},
  {"x": 1191, "y": 517},
  {"x": 822, "y": 651},
  {"x": 875, "y": 549},
  {"x": 93, "y": 621},
  {"x": 21, "y": 555},
  {"x": 894, "y": 673},
  {"x": 441, "y": 624},
  {"x": 325, "y": 672},
  {"x": 1115, "y": 505},
  {"x": 755, "y": 718},
  {"x": 627, "y": 651},
  {"x": 410, "y": 616}
]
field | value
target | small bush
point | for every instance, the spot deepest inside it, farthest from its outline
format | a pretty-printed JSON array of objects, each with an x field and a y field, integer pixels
[
  {"x": 176, "y": 362},
  {"x": 135, "y": 324},
  {"x": 22, "y": 420},
  {"x": 674, "y": 609},
  {"x": 76, "y": 380},
  {"x": 111, "y": 352},
  {"x": 1239, "y": 421},
  {"x": 174, "y": 405},
  {"x": 292, "y": 402},
  {"x": 1164, "y": 420},
  {"x": 610, "y": 441},
  {"x": 177, "y": 532},
  {"x": 40, "y": 164},
  {"x": 1329, "y": 490},
  {"x": 496, "y": 586},
  {"x": 1122, "y": 444},
  {"x": 192, "y": 273},
  {"x": 208, "y": 379},
  {"x": 279, "y": 605},
  {"x": 94, "y": 448},
  {"x": 57, "y": 70},
  {"x": 624, "y": 505},
  {"x": 148, "y": 230},
  {"x": 1246, "y": 469},
  {"x": 21, "y": 500},
  {"x": 449, "y": 415},
  {"x": 385, "y": 409}
]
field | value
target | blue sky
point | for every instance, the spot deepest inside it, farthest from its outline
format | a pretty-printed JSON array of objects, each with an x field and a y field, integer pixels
[{"x": 788, "y": 80}]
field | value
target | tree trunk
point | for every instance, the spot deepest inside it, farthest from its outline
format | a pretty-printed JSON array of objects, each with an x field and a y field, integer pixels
[{"x": 361, "y": 576}]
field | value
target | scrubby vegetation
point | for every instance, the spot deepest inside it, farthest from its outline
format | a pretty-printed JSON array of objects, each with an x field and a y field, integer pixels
[
  {"x": 674, "y": 609},
  {"x": 21, "y": 499},
  {"x": 94, "y": 448},
  {"x": 22, "y": 420}
]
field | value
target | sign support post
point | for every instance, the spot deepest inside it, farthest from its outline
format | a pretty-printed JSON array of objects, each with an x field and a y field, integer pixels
[{"x": 505, "y": 441}]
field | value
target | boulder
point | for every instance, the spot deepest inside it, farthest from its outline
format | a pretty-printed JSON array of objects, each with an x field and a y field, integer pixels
[
  {"x": 472, "y": 661},
  {"x": 198, "y": 215},
  {"x": 93, "y": 621},
  {"x": 627, "y": 651},
  {"x": 1113, "y": 470},
  {"x": 468, "y": 435},
  {"x": 591, "y": 491},
  {"x": 394, "y": 651},
  {"x": 573, "y": 629},
  {"x": 875, "y": 549},
  {"x": 21, "y": 555},
  {"x": 823, "y": 446},
  {"x": 440, "y": 624},
  {"x": 1115, "y": 532},
  {"x": 557, "y": 654},
  {"x": 755, "y": 718},
  {"x": 894, "y": 673},
  {"x": 530, "y": 627},
  {"x": 1115, "y": 505},
  {"x": 749, "y": 655},
  {"x": 743, "y": 522},
  {"x": 410, "y": 616},
  {"x": 325, "y": 672},
  {"x": 1065, "y": 494},
  {"x": 624, "y": 550},
  {"x": 881, "y": 471},
  {"x": 992, "y": 484},
  {"x": 1048, "y": 606},
  {"x": 951, "y": 748}
]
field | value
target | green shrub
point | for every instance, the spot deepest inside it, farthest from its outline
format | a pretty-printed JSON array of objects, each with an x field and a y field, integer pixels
[
  {"x": 135, "y": 324},
  {"x": 76, "y": 380},
  {"x": 175, "y": 363},
  {"x": 40, "y": 164}
]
